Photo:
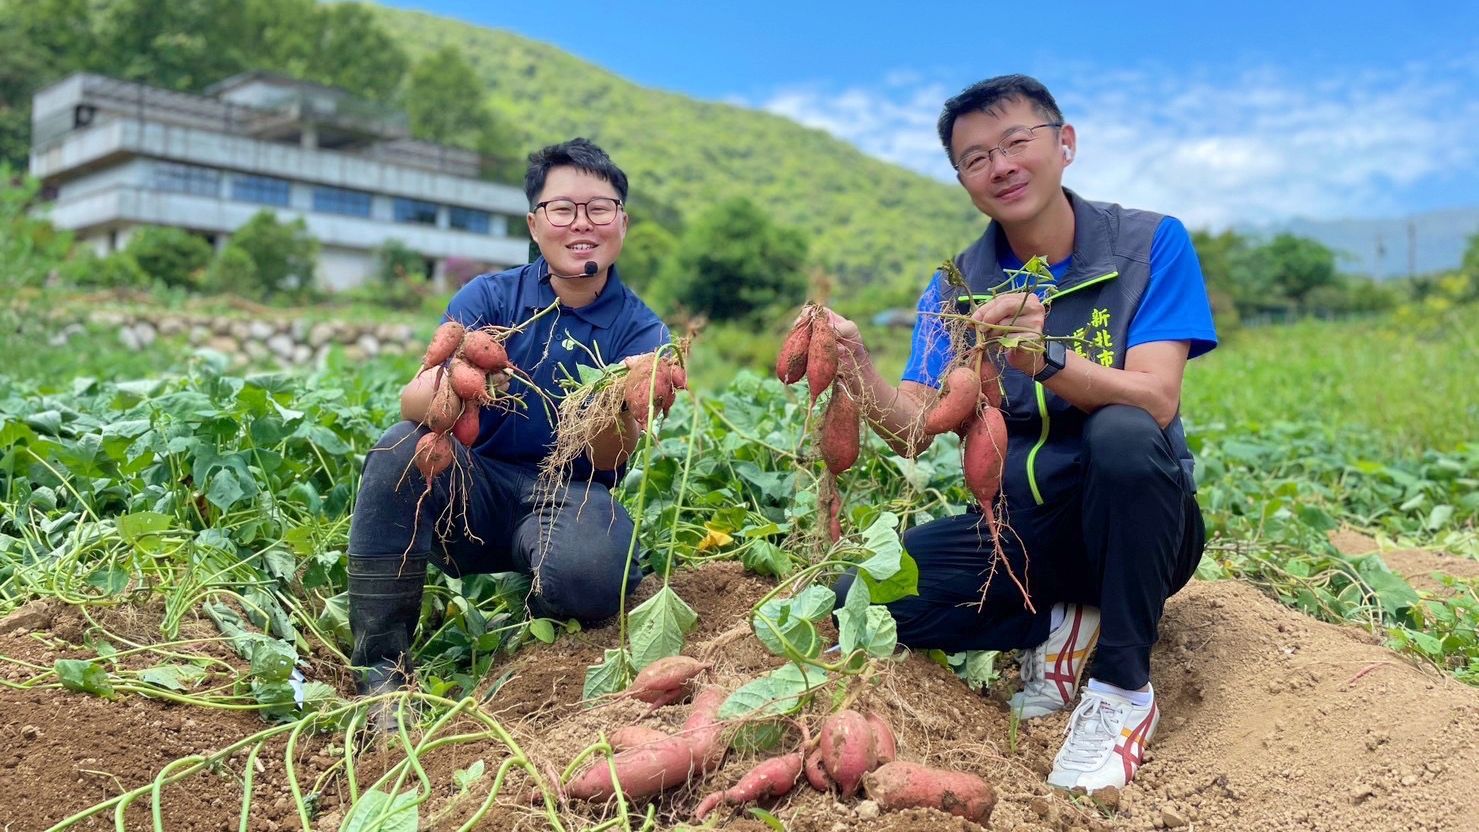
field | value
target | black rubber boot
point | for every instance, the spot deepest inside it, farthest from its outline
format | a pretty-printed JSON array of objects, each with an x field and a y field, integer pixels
[{"x": 384, "y": 606}]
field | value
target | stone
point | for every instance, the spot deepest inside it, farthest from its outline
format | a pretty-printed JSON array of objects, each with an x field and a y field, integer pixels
[
  {"x": 239, "y": 330},
  {"x": 867, "y": 809},
  {"x": 298, "y": 328},
  {"x": 145, "y": 333},
  {"x": 255, "y": 350},
  {"x": 35, "y": 615},
  {"x": 368, "y": 344},
  {"x": 170, "y": 327},
  {"x": 1172, "y": 818},
  {"x": 224, "y": 344},
  {"x": 261, "y": 330},
  {"x": 282, "y": 345},
  {"x": 127, "y": 338},
  {"x": 302, "y": 353},
  {"x": 320, "y": 334},
  {"x": 199, "y": 334}
]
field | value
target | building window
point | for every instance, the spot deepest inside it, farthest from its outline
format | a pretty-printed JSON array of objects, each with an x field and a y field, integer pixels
[
  {"x": 187, "y": 179},
  {"x": 341, "y": 201},
  {"x": 468, "y": 219},
  {"x": 414, "y": 210},
  {"x": 264, "y": 190}
]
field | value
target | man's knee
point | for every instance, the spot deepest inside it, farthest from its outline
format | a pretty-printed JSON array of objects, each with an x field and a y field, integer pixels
[
  {"x": 586, "y": 595},
  {"x": 1125, "y": 441},
  {"x": 392, "y": 454}
]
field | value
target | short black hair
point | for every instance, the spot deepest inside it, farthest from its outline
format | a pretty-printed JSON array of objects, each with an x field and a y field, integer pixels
[
  {"x": 581, "y": 154},
  {"x": 985, "y": 96}
]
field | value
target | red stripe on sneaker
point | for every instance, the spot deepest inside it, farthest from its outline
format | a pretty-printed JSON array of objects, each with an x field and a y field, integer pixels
[
  {"x": 1064, "y": 680},
  {"x": 1129, "y": 755}
]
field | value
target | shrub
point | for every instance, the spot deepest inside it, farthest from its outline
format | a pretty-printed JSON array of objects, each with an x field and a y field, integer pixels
[
  {"x": 172, "y": 256},
  {"x": 283, "y": 252}
]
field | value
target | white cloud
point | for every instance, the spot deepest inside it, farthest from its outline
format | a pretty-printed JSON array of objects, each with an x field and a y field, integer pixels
[{"x": 1261, "y": 146}]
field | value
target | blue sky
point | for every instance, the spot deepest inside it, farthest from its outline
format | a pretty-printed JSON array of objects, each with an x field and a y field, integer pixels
[{"x": 1220, "y": 114}]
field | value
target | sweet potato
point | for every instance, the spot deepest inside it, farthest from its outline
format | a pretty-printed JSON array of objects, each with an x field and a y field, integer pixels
[
  {"x": 642, "y": 772},
  {"x": 660, "y": 679},
  {"x": 991, "y": 383},
  {"x": 469, "y": 382},
  {"x": 637, "y": 388},
  {"x": 483, "y": 351},
  {"x": 841, "y": 431},
  {"x": 772, "y": 778},
  {"x": 983, "y": 451},
  {"x": 635, "y": 736},
  {"x": 899, "y": 785},
  {"x": 883, "y": 738},
  {"x": 678, "y": 377},
  {"x": 445, "y": 407},
  {"x": 790, "y": 365},
  {"x": 816, "y": 774},
  {"x": 468, "y": 425},
  {"x": 704, "y": 730},
  {"x": 821, "y": 355},
  {"x": 849, "y": 750},
  {"x": 433, "y": 454},
  {"x": 443, "y": 343},
  {"x": 958, "y": 396}
]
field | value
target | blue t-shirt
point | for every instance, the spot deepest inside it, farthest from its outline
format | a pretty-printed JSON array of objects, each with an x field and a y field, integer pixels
[
  {"x": 617, "y": 324},
  {"x": 1175, "y": 306}
]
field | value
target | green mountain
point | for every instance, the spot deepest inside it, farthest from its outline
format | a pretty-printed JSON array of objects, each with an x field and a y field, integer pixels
[{"x": 868, "y": 221}]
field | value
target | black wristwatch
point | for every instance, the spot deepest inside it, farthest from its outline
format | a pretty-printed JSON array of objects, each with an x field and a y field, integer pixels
[{"x": 1054, "y": 356}]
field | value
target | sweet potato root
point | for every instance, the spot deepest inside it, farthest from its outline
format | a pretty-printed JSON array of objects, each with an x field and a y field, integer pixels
[
  {"x": 816, "y": 774},
  {"x": 899, "y": 785},
  {"x": 659, "y": 680},
  {"x": 983, "y": 451},
  {"x": 883, "y": 738},
  {"x": 821, "y": 354},
  {"x": 445, "y": 342},
  {"x": 990, "y": 383},
  {"x": 433, "y": 454},
  {"x": 643, "y": 772},
  {"x": 772, "y": 778},
  {"x": 483, "y": 351},
  {"x": 636, "y": 736},
  {"x": 958, "y": 396},
  {"x": 790, "y": 365},
  {"x": 841, "y": 434},
  {"x": 445, "y": 407},
  {"x": 468, "y": 381},
  {"x": 848, "y": 749},
  {"x": 467, "y": 426},
  {"x": 704, "y": 730}
]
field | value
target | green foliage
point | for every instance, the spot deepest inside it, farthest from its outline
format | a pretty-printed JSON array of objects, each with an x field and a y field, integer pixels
[
  {"x": 395, "y": 262},
  {"x": 283, "y": 252},
  {"x": 446, "y": 103},
  {"x": 232, "y": 269},
  {"x": 172, "y": 256},
  {"x": 84, "y": 268},
  {"x": 733, "y": 263},
  {"x": 646, "y": 248},
  {"x": 30, "y": 248}
]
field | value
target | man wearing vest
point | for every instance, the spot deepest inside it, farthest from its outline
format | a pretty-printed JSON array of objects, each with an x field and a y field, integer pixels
[{"x": 1097, "y": 487}]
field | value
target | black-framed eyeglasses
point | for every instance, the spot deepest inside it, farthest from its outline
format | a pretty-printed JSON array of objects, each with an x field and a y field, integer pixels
[
  {"x": 562, "y": 212},
  {"x": 1014, "y": 143}
]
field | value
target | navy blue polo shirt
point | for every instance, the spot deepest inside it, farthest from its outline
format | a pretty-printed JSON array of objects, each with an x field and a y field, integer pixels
[{"x": 617, "y": 324}]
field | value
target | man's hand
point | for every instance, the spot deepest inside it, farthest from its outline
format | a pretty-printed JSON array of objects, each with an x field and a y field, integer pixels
[
  {"x": 852, "y": 353},
  {"x": 1025, "y": 312}
]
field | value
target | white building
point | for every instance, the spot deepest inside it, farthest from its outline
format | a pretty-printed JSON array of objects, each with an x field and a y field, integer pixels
[{"x": 115, "y": 155}]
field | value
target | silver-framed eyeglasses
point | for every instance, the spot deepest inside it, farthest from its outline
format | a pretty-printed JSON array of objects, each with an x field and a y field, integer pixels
[
  {"x": 562, "y": 212},
  {"x": 1014, "y": 143}
]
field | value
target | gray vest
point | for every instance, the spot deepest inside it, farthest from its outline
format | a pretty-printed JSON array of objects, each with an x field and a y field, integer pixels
[{"x": 1095, "y": 301}]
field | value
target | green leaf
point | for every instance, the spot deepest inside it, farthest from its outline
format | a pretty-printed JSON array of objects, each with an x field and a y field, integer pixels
[
  {"x": 777, "y": 626},
  {"x": 1439, "y": 517},
  {"x": 1392, "y": 591},
  {"x": 775, "y": 693},
  {"x": 225, "y": 490},
  {"x": 852, "y": 618},
  {"x": 467, "y": 776},
  {"x": 765, "y": 558},
  {"x": 658, "y": 627},
  {"x": 882, "y": 539},
  {"x": 280, "y": 564},
  {"x": 84, "y": 676},
  {"x": 543, "y": 629},
  {"x": 377, "y": 811},
  {"x": 814, "y": 603},
  {"x": 173, "y": 676},
  {"x": 611, "y": 675},
  {"x": 904, "y": 582},
  {"x": 273, "y": 660},
  {"x": 767, "y": 818},
  {"x": 139, "y": 524},
  {"x": 881, "y": 633},
  {"x": 977, "y": 668}
]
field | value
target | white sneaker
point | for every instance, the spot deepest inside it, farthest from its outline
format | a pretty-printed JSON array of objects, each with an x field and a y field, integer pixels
[
  {"x": 1050, "y": 672},
  {"x": 1107, "y": 735}
]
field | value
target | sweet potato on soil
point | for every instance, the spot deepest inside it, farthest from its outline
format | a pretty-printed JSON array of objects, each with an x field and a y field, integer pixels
[
  {"x": 849, "y": 750},
  {"x": 661, "y": 679},
  {"x": 483, "y": 351},
  {"x": 821, "y": 354},
  {"x": 443, "y": 343},
  {"x": 643, "y": 772},
  {"x": 704, "y": 730},
  {"x": 636, "y": 736},
  {"x": 958, "y": 396},
  {"x": 468, "y": 425},
  {"x": 772, "y": 778},
  {"x": 899, "y": 785},
  {"x": 790, "y": 365},
  {"x": 816, "y": 774},
  {"x": 841, "y": 431},
  {"x": 433, "y": 454},
  {"x": 469, "y": 382},
  {"x": 883, "y": 738}
]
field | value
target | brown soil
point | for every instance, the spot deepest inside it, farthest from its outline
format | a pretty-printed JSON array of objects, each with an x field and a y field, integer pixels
[
  {"x": 1272, "y": 722},
  {"x": 1423, "y": 568}
]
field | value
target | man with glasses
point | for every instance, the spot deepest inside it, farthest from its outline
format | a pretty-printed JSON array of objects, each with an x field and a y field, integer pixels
[
  {"x": 1098, "y": 496},
  {"x": 484, "y": 514}
]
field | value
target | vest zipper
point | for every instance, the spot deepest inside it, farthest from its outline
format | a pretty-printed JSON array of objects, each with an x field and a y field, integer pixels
[{"x": 1042, "y": 439}]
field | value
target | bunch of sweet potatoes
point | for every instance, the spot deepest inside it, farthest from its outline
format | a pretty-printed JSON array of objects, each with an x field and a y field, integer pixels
[{"x": 456, "y": 368}]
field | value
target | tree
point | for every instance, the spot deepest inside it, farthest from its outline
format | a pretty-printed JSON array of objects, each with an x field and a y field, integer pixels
[
  {"x": 647, "y": 246},
  {"x": 1470, "y": 265},
  {"x": 172, "y": 256},
  {"x": 283, "y": 252},
  {"x": 354, "y": 53},
  {"x": 447, "y": 104},
  {"x": 180, "y": 45},
  {"x": 733, "y": 262},
  {"x": 1298, "y": 265}
]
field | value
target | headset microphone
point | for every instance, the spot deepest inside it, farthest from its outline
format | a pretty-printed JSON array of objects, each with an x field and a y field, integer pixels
[{"x": 591, "y": 267}]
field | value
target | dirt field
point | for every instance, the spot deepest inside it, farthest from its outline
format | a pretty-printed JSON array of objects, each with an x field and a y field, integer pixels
[{"x": 1273, "y": 721}]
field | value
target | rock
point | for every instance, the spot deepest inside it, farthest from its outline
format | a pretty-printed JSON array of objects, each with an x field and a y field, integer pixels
[
  {"x": 145, "y": 333},
  {"x": 255, "y": 350},
  {"x": 170, "y": 327},
  {"x": 1360, "y": 793},
  {"x": 867, "y": 809},
  {"x": 1107, "y": 797},
  {"x": 369, "y": 344},
  {"x": 302, "y": 353},
  {"x": 199, "y": 334},
  {"x": 224, "y": 344},
  {"x": 35, "y": 615},
  {"x": 239, "y": 330},
  {"x": 355, "y": 355},
  {"x": 298, "y": 328},
  {"x": 127, "y": 338},
  {"x": 282, "y": 345},
  {"x": 261, "y": 330},
  {"x": 1041, "y": 806},
  {"x": 320, "y": 355},
  {"x": 1172, "y": 818},
  {"x": 29, "y": 733},
  {"x": 320, "y": 334}
]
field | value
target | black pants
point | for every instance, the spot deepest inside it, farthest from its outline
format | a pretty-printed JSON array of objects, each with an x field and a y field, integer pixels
[
  {"x": 1125, "y": 542},
  {"x": 573, "y": 543}
]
